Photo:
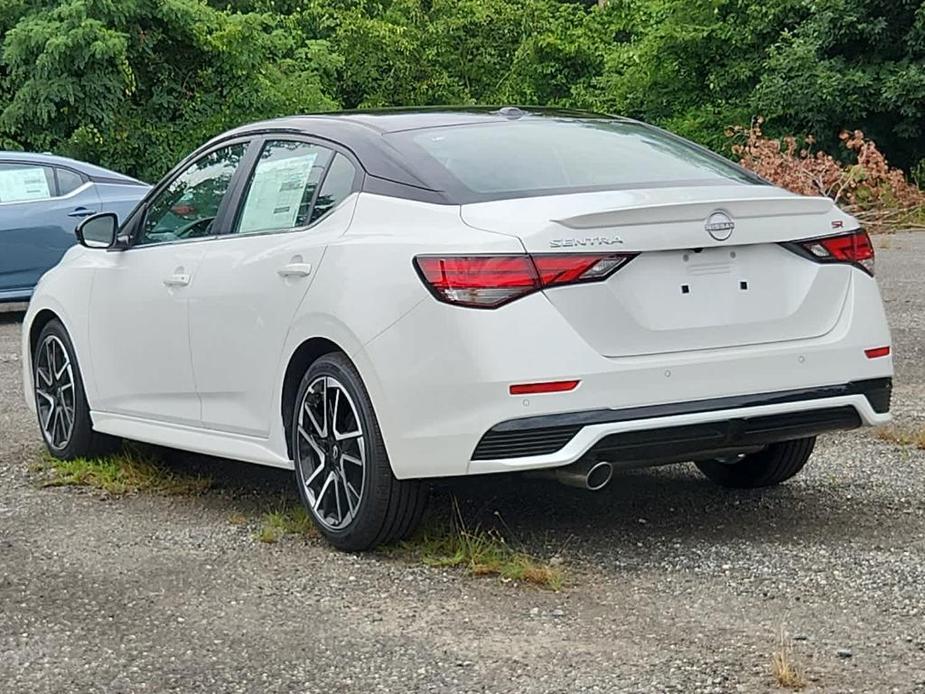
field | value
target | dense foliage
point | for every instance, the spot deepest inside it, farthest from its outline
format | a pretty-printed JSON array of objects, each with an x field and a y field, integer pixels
[{"x": 134, "y": 84}]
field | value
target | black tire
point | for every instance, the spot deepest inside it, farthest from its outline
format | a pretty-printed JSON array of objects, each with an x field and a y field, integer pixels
[
  {"x": 772, "y": 465},
  {"x": 388, "y": 509},
  {"x": 82, "y": 441}
]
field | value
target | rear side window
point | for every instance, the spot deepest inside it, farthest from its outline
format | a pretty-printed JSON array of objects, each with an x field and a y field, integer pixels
[
  {"x": 68, "y": 181},
  {"x": 281, "y": 190},
  {"x": 496, "y": 160},
  {"x": 338, "y": 184},
  {"x": 26, "y": 182}
]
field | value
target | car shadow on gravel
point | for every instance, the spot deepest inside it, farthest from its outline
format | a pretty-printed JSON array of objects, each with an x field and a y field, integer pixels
[{"x": 639, "y": 512}]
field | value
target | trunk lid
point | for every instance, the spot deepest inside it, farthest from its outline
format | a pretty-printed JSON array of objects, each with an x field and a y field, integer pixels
[{"x": 687, "y": 289}]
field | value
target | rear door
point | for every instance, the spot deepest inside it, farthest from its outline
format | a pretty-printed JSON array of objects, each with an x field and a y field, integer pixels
[
  {"x": 39, "y": 209},
  {"x": 295, "y": 200},
  {"x": 707, "y": 271}
]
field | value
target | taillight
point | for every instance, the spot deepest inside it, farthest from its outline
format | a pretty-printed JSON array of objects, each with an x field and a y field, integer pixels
[
  {"x": 845, "y": 248},
  {"x": 482, "y": 281}
]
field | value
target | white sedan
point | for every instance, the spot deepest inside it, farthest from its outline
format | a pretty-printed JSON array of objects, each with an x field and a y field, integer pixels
[{"x": 374, "y": 299}]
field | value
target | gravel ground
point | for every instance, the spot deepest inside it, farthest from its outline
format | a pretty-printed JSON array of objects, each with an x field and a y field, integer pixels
[{"x": 676, "y": 586}]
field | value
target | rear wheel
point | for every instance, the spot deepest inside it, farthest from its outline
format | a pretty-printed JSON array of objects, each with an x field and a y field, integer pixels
[
  {"x": 60, "y": 399},
  {"x": 772, "y": 465},
  {"x": 341, "y": 465}
]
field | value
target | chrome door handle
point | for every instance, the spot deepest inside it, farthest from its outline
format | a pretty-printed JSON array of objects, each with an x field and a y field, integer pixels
[
  {"x": 295, "y": 270},
  {"x": 177, "y": 280}
]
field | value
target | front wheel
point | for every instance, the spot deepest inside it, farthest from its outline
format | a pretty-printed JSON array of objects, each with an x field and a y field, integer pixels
[
  {"x": 774, "y": 464},
  {"x": 60, "y": 400},
  {"x": 341, "y": 465}
]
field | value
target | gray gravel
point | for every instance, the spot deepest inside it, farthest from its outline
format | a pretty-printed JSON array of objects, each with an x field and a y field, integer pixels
[{"x": 677, "y": 586}]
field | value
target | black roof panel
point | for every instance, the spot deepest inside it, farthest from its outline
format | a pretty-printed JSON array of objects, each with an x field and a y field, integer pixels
[{"x": 362, "y": 133}]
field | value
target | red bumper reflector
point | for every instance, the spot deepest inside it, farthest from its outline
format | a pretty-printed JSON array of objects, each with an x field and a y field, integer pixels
[
  {"x": 548, "y": 387},
  {"x": 877, "y": 352}
]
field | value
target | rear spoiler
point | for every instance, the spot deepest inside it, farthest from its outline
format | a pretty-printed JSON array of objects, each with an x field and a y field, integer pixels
[{"x": 667, "y": 213}]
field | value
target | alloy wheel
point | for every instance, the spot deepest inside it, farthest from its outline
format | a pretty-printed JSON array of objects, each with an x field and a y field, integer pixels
[
  {"x": 331, "y": 453},
  {"x": 54, "y": 390}
]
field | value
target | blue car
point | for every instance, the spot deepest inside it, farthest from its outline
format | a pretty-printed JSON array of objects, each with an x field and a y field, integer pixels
[{"x": 42, "y": 198}]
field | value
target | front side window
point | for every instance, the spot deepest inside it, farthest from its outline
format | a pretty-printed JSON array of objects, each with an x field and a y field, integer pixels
[
  {"x": 187, "y": 207},
  {"x": 282, "y": 188},
  {"x": 26, "y": 182}
]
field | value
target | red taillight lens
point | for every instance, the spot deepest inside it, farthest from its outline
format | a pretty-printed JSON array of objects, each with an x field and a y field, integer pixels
[
  {"x": 845, "y": 248},
  {"x": 557, "y": 269},
  {"x": 478, "y": 281},
  {"x": 490, "y": 281}
]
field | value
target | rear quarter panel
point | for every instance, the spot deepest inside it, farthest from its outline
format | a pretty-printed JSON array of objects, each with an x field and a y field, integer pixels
[{"x": 367, "y": 281}]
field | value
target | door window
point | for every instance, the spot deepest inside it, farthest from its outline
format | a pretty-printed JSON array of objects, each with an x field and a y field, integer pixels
[
  {"x": 338, "y": 184},
  {"x": 282, "y": 188},
  {"x": 187, "y": 207},
  {"x": 68, "y": 181},
  {"x": 26, "y": 182}
]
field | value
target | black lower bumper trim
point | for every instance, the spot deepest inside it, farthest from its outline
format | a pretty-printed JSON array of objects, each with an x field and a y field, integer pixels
[
  {"x": 545, "y": 434},
  {"x": 713, "y": 439}
]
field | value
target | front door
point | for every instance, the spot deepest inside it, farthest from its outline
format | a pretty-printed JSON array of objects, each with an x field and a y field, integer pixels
[
  {"x": 257, "y": 272},
  {"x": 139, "y": 313}
]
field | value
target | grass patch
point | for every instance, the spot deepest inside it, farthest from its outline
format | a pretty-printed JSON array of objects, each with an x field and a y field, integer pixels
[
  {"x": 289, "y": 520},
  {"x": 903, "y": 435},
  {"x": 479, "y": 552},
  {"x": 786, "y": 672},
  {"x": 128, "y": 472}
]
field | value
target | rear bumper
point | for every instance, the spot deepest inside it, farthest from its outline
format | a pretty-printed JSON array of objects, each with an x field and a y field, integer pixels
[
  {"x": 439, "y": 380},
  {"x": 699, "y": 429}
]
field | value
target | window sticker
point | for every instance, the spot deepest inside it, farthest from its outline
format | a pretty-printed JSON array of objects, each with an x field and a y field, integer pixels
[
  {"x": 27, "y": 183},
  {"x": 276, "y": 193}
]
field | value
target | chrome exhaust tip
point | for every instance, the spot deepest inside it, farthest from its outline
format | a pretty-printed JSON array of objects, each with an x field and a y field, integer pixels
[
  {"x": 598, "y": 476},
  {"x": 590, "y": 475}
]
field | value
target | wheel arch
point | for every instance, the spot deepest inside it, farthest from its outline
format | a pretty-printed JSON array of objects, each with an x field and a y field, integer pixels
[
  {"x": 39, "y": 321},
  {"x": 305, "y": 354}
]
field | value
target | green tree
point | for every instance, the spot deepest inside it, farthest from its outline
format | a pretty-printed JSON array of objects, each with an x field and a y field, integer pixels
[{"x": 135, "y": 85}]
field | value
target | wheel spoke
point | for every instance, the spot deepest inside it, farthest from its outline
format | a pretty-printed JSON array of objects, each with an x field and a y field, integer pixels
[
  {"x": 312, "y": 477},
  {"x": 334, "y": 409},
  {"x": 68, "y": 416},
  {"x": 320, "y": 427},
  {"x": 324, "y": 488},
  {"x": 346, "y": 457},
  {"x": 314, "y": 444},
  {"x": 63, "y": 368},
  {"x": 340, "y": 513},
  {"x": 51, "y": 411},
  {"x": 43, "y": 375},
  {"x": 351, "y": 505},
  {"x": 56, "y": 426},
  {"x": 50, "y": 356},
  {"x": 349, "y": 435}
]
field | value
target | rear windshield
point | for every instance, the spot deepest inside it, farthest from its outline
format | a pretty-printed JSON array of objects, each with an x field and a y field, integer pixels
[{"x": 545, "y": 156}]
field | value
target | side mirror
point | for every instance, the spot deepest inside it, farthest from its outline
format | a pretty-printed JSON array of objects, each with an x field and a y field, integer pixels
[{"x": 98, "y": 231}]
